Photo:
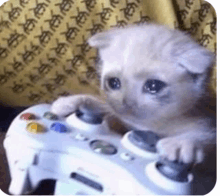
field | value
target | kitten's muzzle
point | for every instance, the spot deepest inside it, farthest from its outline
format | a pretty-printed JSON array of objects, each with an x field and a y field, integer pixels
[{"x": 129, "y": 103}]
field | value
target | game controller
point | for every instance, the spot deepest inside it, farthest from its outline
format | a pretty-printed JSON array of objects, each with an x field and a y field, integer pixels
[{"x": 84, "y": 156}]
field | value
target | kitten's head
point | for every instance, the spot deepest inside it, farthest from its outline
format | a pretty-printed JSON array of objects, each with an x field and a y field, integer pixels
[{"x": 151, "y": 72}]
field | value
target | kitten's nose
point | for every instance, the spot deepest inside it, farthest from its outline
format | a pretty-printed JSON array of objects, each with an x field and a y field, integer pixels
[{"x": 130, "y": 103}]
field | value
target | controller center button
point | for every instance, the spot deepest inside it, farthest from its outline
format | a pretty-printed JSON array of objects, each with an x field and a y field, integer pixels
[
  {"x": 35, "y": 128},
  {"x": 50, "y": 116},
  {"x": 58, "y": 127},
  {"x": 28, "y": 116},
  {"x": 126, "y": 156},
  {"x": 102, "y": 147},
  {"x": 81, "y": 137}
]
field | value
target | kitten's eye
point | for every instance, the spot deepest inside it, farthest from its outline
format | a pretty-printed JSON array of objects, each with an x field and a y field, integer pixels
[
  {"x": 114, "y": 83},
  {"x": 153, "y": 86}
]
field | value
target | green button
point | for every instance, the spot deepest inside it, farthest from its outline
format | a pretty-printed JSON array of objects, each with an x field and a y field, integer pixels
[{"x": 50, "y": 116}]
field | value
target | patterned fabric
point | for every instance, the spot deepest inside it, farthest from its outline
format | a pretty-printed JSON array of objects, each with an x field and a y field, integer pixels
[{"x": 44, "y": 51}]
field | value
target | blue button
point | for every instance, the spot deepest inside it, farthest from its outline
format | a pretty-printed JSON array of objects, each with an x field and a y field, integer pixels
[{"x": 58, "y": 127}]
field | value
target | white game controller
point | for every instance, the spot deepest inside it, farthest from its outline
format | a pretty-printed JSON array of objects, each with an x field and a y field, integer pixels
[{"x": 85, "y": 157}]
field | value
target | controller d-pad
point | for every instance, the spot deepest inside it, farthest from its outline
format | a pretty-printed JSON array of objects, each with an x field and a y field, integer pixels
[
  {"x": 145, "y": 140},
  {"x": 50, "y": 116},
  {"x": 35, "y": 128},
  {"x": 102, "y": 147},
  {"x": 58, "y": 127}
]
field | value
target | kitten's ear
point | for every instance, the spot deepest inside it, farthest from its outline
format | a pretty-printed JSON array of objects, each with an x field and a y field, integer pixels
[
  {"x": 100, "y": 40},
  {"x": 196, "y": 59}
]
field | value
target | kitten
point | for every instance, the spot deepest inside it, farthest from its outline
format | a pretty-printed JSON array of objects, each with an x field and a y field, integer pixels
[{"x": 154, "y": 78}]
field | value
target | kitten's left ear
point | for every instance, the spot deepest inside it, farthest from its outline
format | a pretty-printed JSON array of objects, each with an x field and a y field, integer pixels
[
  {"x": 196, "y": 59},
  {"x": 101, "y": 40}
]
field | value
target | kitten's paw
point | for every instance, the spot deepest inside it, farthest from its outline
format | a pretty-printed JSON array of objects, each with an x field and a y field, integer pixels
[
  {"x": 180, "y": 149},
  {"x": 67, "y": 105}
]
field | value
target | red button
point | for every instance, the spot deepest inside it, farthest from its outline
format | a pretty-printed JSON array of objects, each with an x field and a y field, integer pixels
[{"x": 27, "y": 116}]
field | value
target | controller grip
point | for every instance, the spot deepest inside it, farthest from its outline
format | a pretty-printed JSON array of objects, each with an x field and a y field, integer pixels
[{"x": 19, "y": 184}]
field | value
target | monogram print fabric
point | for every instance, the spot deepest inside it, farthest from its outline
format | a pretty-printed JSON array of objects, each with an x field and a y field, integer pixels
[{"x": 44, "y": 51}]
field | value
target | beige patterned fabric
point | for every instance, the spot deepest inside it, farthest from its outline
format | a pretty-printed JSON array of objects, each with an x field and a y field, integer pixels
[{"x": 44, "y": 51}]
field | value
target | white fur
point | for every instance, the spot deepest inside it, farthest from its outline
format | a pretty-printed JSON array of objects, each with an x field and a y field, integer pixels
[{"x": 138, "y": 53}]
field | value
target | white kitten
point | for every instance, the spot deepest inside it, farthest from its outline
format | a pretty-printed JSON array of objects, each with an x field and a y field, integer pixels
[{"x": 154, "y": 78}]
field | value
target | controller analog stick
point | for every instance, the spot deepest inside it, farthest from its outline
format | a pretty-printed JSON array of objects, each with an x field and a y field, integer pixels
[
  {"x": 174, "y": 170},
  {"x": 145, "y": 140},
  {"x": 89, "y": 115}
]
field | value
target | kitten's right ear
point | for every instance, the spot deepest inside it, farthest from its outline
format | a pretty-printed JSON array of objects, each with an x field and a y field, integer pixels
[{"x": 100, "y": 40}]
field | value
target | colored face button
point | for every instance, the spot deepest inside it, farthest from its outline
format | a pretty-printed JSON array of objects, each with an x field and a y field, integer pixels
[
  {"x": 27, "y": 116},
  {"x": 50, "y": 116},
  {"x": 35, "y": 128},
  {"x": 58, "y": 127}
]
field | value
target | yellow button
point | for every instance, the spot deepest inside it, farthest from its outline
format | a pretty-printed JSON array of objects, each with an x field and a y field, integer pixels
[{"x": 35, "y": 128}]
